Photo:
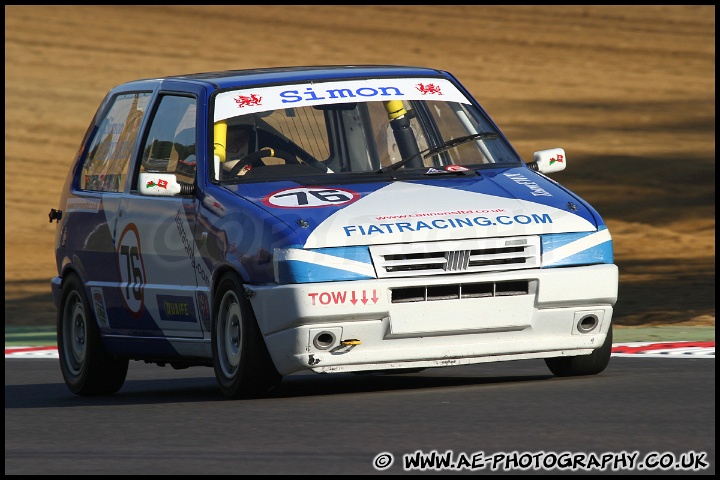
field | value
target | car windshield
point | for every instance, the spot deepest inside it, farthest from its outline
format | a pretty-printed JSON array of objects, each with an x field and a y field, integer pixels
[{"x": 374, "y": 126}]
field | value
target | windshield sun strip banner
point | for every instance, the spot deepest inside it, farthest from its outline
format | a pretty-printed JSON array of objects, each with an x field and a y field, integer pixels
[{"x": 252, "y": 100}]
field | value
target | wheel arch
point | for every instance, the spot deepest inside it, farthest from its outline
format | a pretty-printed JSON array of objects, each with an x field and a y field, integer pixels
[
  {"x": 70, "y": 267},
  {"x": 219, "y": 273}
]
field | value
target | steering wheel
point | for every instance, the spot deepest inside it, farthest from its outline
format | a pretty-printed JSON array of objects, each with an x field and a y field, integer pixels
[{"x": 253, "y": 158}]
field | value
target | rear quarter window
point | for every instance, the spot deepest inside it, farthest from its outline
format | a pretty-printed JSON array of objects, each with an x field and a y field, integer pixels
[{"x": 106, "y": 165}]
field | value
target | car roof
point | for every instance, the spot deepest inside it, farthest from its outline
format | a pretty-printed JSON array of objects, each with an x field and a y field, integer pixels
[{"x": 279, "y": 75}]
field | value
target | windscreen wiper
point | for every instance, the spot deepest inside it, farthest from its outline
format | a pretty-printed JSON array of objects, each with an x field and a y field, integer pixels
[{"x": 429, "y": 152}]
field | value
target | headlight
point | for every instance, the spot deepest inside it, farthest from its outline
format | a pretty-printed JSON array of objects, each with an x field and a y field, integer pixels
[
  {"x": 585, "y": 248},
  {"x": 297, "y": 265}
]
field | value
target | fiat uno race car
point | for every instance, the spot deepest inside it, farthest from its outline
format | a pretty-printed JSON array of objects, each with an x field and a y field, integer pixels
[{"x": 329, "y": 219}]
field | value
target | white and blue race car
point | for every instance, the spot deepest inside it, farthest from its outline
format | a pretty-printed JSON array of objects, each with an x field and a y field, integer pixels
[{"x": 329, "y": 219}]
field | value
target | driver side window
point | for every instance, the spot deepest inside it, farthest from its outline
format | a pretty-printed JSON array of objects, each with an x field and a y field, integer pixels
[{"x": 170, "y": 144}]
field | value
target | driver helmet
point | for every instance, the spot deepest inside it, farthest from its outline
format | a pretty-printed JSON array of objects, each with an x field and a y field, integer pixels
[{"x": 240, "y": 142}]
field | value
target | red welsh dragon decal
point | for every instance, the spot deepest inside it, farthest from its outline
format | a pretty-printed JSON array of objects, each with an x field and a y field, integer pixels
[
  {"x": 558, "y": 158},
  {"x": 160, "y": 184},
  {"x": 429, "y": 88},
  {"x": 247, "y": 101}
]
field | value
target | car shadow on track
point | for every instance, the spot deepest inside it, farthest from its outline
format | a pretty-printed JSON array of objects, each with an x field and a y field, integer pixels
[{"x": 204, "y": 389}]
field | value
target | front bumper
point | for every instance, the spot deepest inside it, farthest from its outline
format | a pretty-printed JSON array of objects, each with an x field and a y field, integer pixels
[{"x": 360, "y": 325}]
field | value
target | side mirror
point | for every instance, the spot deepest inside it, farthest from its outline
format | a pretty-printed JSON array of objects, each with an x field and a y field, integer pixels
[
  {"x": 163, "y": 185},
  {"x": 548, "y": 161}
]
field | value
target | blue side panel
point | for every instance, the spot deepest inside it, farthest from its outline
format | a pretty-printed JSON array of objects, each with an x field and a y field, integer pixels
[{"x": 141, "y": 347}]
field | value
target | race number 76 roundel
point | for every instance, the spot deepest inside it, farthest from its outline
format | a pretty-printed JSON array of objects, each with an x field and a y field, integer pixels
[
  {"x": 310, "y": 197},
  {"x": 132, "y": 269}
]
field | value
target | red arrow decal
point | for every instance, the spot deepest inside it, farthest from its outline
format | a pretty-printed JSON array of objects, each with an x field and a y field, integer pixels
[
  {"x": 364, "y": 299},
  {"x": 375, "y": 298},
  {"x": 353, "y": 300}
]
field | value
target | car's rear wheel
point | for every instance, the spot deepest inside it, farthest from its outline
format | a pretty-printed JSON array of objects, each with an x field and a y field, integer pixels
[
  {"x": 591, "y": 364},
  {"x": 86, "y": 367},
  {"x": 243, "y": 367}
]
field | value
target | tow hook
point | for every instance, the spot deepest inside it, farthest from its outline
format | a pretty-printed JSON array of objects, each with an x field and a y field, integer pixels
[{"x": 55, "y": 215}]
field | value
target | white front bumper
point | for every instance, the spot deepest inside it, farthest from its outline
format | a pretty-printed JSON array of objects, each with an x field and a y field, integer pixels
[{"x": 380, "y": 335}]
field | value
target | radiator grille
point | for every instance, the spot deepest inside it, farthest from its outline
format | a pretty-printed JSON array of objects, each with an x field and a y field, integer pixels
[
  {"x": 478, "y": 255},
  {"x": 459, "y": 291}
]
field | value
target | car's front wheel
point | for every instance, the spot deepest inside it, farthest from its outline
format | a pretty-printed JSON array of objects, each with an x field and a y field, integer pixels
[
  {"x": 86, "y": 367},
  {"x": 591, "y": 364},
  {"x": 243, "y": 367}
]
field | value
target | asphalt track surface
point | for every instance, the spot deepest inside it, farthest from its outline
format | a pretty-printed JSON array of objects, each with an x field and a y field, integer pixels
[{"x": 660, "y": 408}]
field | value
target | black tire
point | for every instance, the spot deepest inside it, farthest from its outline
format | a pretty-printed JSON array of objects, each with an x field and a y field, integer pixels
[
  {"x": 87, "y": 368},
  {"x": 591, "y": 364},
  {"x": 243, "y": 367}
]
